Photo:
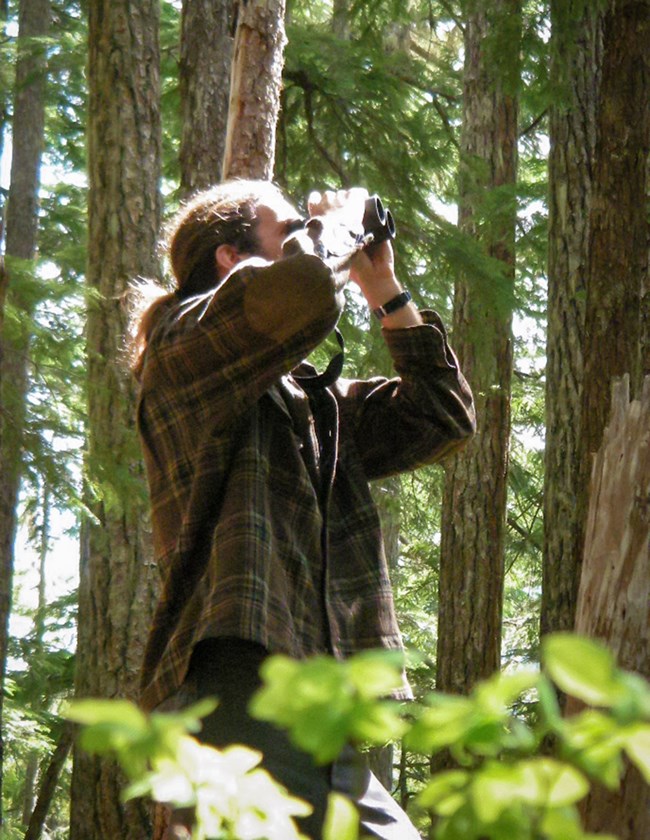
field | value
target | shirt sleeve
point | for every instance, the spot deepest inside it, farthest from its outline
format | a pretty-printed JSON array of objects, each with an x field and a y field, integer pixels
[
  {"x": 417, "y": 418},
  {"x": 221, "y": 351}
]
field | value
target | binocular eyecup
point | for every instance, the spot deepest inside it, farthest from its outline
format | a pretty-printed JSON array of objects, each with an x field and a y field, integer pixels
[{"x": 377, "y": 221}]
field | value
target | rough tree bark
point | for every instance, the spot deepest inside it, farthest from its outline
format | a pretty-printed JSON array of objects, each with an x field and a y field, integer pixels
[
  {"x": 614, "y": 596},
  {"x": 255, "y": 89},
  {"x": 617, "y": 277},
  {"x": 575, "y": 68},
  {"x": 4, "y": 120},
  {"x": 21, "y": 242},
  {"x": 116, "y": 575},
  {"x": 614, "y": 590},
  {"x": 619, "y": 229},
  {"x": 205, "y": 63},
  {"x": 473, "y": 512}
]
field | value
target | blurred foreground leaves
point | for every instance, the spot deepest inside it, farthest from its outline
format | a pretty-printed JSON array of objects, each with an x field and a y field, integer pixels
[{"x": 504, "y": 786}]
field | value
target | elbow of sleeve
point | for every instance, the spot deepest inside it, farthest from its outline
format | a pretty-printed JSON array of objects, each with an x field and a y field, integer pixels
[
  {"x": 460, "y": 423},
  {"x": 463, "y": 414},
  {"x": 318, "y": 304},
  {"x": 291, "y": 296},
  {"x": 459, "y": 430},
  {"x": 313, "y": 278},
  {"x": 468, "y": 427}
]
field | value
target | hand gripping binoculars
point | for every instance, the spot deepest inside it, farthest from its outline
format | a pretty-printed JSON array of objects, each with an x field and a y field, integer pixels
[{"x": 336, "y": 240}]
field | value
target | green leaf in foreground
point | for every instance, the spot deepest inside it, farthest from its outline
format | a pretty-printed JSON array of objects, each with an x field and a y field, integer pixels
[
  {"x": 122, "y": 712},
  {"x": 582, "y": 668},
  {"x": 445, "y": 793},
  {"x": 637, "y": 746},
  {"x": 325, "y": 704},
  {"x": 119, "y": 727},
  {"x": 341, "y": 819},
  {"x": 550, "y": 783}
]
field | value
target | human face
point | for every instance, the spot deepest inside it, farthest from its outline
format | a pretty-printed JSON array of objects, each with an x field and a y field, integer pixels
[{"x": 275, "y": 221}]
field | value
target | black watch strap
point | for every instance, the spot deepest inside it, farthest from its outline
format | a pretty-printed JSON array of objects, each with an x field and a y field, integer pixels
[{"x": 392, "y": 305}]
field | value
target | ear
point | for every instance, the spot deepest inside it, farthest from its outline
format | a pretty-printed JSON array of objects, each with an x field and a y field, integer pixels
[{"x": 226, "y": 257}]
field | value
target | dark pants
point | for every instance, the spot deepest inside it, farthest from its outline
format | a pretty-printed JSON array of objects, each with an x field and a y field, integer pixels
[{"x": 229, "y": 669}]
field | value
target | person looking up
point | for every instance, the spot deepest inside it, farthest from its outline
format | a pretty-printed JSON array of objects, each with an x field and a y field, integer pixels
[{"x": 265, "y": 534}]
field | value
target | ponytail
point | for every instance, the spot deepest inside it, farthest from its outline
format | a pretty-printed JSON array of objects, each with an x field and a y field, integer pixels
[{"x": 147, "y": 302}]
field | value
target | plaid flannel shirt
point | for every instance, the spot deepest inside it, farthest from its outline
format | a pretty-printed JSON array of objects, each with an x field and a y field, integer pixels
[{"x": 264, "y": 527}]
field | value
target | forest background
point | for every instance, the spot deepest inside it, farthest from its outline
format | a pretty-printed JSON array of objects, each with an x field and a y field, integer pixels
[{"x": 511, "y": 144}]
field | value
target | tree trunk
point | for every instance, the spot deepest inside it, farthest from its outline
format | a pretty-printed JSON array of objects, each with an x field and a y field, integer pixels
[
  {"x": 614, "y": 596},
  {"x": 31, "y": 769},
  {"x": 576, "y": 46},
  {"x": 4, "y": 120},
  {"x": 380, "y": 762},
  {"x": 117, "y": 579},
  {"x": 206, "y": 53},
  {"x": 618, "y": 237},
  {"x": 473, "y": 512},
  {"x": 28, "y": 797},
  {"x": 380, "y": 759},
  {"x": 341, "y": 19},
  {"x": 255, "y": 89},
  {"x": 618, "y": 243},
  {"x": 21, "y": 238},
  {"x": 48, "y": 783}
]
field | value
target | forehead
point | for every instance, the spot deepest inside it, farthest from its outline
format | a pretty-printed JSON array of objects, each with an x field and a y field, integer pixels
[{"x": 275, "y": 209}]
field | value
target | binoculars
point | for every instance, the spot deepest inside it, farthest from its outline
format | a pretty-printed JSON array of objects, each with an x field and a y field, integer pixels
[
  {"x": 337, "y": 241},
  {"x": 377, "y": 221}
]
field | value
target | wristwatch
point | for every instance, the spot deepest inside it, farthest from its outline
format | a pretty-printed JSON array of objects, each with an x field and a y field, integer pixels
[{"x": 392, "y": 305}]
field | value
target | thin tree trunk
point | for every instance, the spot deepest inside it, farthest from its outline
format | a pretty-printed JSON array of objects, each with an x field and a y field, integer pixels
[
  {"x": 380, "y": 759},
  {"x": 340, "y": 19},
  {"x": 49, "y": 780},
  {"x": 206, "y": 55},
  {"x": 31, "y": 770},
  {"x": 575, "y": 68},
  {"x": 29, "y": 786},
  {"x": 21, "y": 238},
  {"x": 255, "y": 89},
  {"x": 117, "y": 579},
  {"x": 614, "y": 597},
  {"x": 473, "y": 512}
]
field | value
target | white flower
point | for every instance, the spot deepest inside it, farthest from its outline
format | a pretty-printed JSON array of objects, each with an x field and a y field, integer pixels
[
  {"x": 231, "y": 794},
  {"x": 266, "y": 809}
]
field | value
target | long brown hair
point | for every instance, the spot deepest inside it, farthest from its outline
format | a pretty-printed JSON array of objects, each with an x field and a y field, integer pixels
[{"x": 222, "y": 215}]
